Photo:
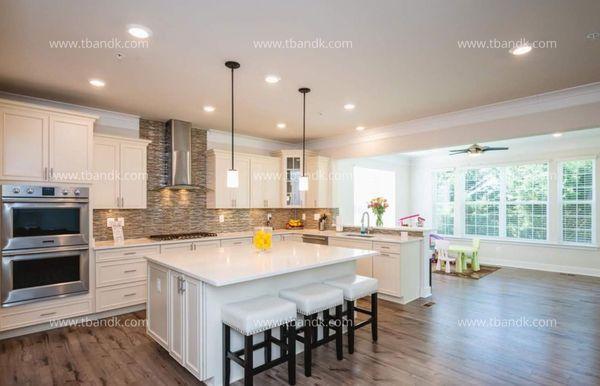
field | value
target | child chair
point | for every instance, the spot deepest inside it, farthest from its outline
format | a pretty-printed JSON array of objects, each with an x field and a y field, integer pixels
[{"x": 441, "y": 247}]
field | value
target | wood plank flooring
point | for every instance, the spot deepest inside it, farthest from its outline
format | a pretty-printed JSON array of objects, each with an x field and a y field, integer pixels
[{"x": 418, "y": 344}]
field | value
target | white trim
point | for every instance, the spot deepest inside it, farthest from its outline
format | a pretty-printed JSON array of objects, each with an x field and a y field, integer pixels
[
  {"x": 104, "y": 117},
  {"x": 247, "y": 141},
  {"x": 554, "y": 100},
  {"x": 541, "y": 267}
]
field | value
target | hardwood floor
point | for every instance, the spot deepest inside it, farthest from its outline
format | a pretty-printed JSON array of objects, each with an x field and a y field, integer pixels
[{"x": 418, "y": 343}]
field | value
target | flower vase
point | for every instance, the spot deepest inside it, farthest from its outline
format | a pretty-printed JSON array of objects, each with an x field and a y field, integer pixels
[{"x": 379, "y": 220}]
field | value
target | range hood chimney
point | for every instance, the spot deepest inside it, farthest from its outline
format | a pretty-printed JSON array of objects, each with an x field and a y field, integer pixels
[{"x": 179, "y": 134}]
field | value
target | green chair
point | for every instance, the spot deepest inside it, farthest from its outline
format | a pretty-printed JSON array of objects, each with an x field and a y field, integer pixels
[{"x": 466, "y": 252}]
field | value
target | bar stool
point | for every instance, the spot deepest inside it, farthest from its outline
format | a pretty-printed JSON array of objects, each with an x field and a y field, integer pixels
[
  {"x": 354, "y": 288},
  {"x": 254, "y": 316},
  {"x": 310, "y": 300}
]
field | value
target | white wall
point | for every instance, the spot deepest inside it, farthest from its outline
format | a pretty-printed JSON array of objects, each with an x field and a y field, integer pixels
[{"x": 549, "y": 255}]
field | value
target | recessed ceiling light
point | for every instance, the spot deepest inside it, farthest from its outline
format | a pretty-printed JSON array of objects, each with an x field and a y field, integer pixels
[
  {"x": 139, "y": 31},
  {"x": 557, "y": 135},
  {"x": 349, "y": 106},
  {"x": 281, "y": 125},
  {"x": 360, "y": 128},
  {"x": 97, "y": 82},
  {"x": 209, "y": 109},
  {"x": 520, "y": 50},
  {"x": 272, "y": 79}
]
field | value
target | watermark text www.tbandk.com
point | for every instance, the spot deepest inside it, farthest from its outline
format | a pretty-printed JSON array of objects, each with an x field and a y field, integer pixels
[
  {"x": 506, "y": 44},
  {"x": 290, "y": 43},
  {"x": 521, "y": 322},
  {"x": 111, "y": 44}
]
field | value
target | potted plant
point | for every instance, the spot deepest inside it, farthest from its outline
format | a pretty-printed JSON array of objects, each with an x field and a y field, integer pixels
[{"x": 378, "y": 206}]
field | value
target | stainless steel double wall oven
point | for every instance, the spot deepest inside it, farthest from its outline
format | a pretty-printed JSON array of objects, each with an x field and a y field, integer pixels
[{"x": 45, "y": 242}]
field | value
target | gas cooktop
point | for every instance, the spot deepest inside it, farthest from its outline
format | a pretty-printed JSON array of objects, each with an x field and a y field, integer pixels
[{"x": 183, "y": 236}]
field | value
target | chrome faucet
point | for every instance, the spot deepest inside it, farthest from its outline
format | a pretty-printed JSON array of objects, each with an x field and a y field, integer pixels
[{"x": 363, "y": 230}]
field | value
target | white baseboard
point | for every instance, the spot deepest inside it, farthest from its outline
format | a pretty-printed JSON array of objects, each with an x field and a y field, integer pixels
[
  {"x": 49, "y": 326},
  {"x": 541, "y": 266}
]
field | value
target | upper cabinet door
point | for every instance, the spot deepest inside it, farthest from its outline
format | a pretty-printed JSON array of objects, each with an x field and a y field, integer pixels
[
  {"x": 106, "y": 170},
  {"x": 24, "y": 139},
  {"x": 133, "y": 176},
  {"x": 265, "y": 182},
  {"x": 70, "y": 148}
]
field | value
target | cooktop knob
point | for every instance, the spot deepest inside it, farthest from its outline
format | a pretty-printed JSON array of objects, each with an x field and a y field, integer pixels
[
  {"x": 77, "y": 192},
  {"x": 30, "y": 191},
  {"x": 65, "y": 192},
  {"x": 16, "y": 190}
]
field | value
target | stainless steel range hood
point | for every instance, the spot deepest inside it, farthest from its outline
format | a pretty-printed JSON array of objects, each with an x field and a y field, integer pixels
[{"x": 179, "y": 134}]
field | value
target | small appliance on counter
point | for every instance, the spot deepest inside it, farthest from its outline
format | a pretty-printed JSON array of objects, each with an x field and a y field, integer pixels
[{"x": 45, "y": 243}]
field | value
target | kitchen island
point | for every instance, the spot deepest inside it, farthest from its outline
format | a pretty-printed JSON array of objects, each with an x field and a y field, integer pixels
[{"x": 186, "y": 291}]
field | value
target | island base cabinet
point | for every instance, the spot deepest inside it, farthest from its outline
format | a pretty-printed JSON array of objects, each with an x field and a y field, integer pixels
[
  {"x": 175, "y": 309},
  {"x": 386, "y": 268}
]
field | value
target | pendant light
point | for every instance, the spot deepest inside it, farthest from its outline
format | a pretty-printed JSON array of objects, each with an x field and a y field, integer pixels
[
  {"x": 233, "y": 178},
  {"x": 303, "y": 180}
]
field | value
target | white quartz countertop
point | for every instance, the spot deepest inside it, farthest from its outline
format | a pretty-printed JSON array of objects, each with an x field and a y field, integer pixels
[
  {"x": 141, "y": 242},
  {"x": 231, "y": 265}
]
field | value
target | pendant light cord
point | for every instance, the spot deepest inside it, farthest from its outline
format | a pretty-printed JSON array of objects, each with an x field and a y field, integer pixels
[
  {"x": 232, "y": 122},
  {"x": 303, "y": 134}
]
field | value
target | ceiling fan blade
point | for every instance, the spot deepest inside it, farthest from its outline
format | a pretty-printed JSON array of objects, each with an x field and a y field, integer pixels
[
  {"x": 455, "y": 152},
  {"x": 494, "y": 148}
]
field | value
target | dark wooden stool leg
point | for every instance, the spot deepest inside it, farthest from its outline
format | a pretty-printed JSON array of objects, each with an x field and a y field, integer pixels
[
  {"x": 339, "y": 348},
  {"x": 307, "y": 345},
  {"x": 374, "y": 316},
  {"x": 267, "y": 346},
  {"x": 226, "y": 349},
  {"x": 326, "y": 319},
  {"x": 291, "y": 342},
  {"x": 283, "y": 331},
  {"x": 350, "y": 319},
  {"x": 248, "y": 361}
]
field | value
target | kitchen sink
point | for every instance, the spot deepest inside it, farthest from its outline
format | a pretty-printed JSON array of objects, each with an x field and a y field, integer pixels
[{"x": 358, "y": 235}]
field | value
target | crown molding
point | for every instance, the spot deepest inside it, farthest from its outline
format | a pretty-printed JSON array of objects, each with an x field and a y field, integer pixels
[
  {"x": 105, "y": 117},
  {"x": 242, "y": 140},
  {"x": 554, "y": 100}
]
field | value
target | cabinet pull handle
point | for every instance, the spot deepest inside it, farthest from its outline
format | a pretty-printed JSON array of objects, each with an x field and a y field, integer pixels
[
  {"x": 384, "y": 247},
  {"x": 130, "y": 271},
  {"x": 129, "y": 295},
  {"x": 51, "y": 173},
  {"x": 129, "y": 253},
  {"x": 46, "y": 173},
  {"x": 48, "y": 314}
]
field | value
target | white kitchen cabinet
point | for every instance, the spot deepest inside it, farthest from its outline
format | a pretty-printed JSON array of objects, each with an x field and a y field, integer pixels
[
  {"x": 70, "y": 148},
  {"x": 386, "y": 269},
  {"x": 319, "y": 183},
  {"x": 43, "y": 144},
  {"x": 291, "y": 169},
  {"x": 189, "y": 246},
  {"x": 176, "y": 316},
  {"x": 265, "y": 183},
  {"x": 219, "y": 195},
  {"x": 184, "y": 324},
  {"x": 120, "y": 173},
  {"x": 158, "y": 290}
]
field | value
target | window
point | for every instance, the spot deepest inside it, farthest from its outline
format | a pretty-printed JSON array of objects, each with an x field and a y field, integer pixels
[
  {"x": 372, "y": 183},
  {"x": 482, "y": 202},
  {"x": 444, "y": 202},
  {"x": 527, "y": 201},
  {"x": 577, "y": 201}
]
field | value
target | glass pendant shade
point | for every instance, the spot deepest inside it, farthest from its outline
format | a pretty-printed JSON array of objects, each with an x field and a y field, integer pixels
[
  {"x": 303, "y": 183},
  {"x": 233, "y": 179}
]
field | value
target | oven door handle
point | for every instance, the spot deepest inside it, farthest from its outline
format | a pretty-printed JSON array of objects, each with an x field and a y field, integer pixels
[{"x": 39, "y": 251}]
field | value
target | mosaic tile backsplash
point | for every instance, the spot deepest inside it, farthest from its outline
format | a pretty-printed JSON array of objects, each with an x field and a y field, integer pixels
[{"x": 183, "y": 211}]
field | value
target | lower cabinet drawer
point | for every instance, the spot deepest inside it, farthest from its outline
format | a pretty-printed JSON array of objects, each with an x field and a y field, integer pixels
[
  {"x": 120, "y": 272},
  {"x": 233, "y": 242},
  {"x": 386, "y": 269},
  {"x": 118, "y": 296},
  {"x": 42, "y": 315}
]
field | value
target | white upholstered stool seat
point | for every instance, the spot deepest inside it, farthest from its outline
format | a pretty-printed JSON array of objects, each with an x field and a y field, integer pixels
[
  {"x": 256, "y": 315},
  {"x": 354, "y": 286},
  {"x": 313, "y": 298}
]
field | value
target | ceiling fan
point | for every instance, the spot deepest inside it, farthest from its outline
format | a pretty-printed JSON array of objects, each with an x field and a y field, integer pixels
[{"x": 476, "y": 149}]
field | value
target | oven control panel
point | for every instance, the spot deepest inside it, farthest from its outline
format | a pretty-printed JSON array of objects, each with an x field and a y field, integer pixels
[{"x": 44, "y": 191}]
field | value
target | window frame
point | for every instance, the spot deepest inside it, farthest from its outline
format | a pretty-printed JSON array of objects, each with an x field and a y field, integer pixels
[
  {"x": 435, "y": 191},
  {"x": 559, "y": 198}
]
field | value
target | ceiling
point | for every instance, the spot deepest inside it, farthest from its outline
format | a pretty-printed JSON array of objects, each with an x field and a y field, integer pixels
[{"x": 404, "y": 63}]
